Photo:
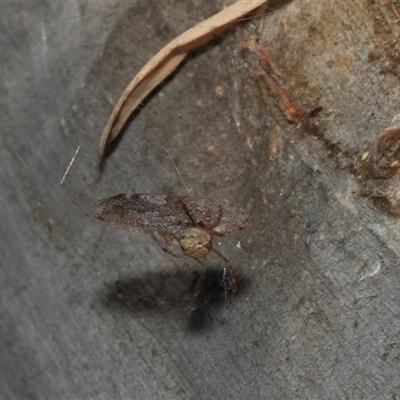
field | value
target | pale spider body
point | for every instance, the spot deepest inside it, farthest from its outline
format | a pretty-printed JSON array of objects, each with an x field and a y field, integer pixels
[{"x": 196, "y": 242}]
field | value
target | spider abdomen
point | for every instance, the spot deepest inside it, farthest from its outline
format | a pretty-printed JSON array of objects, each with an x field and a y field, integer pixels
[{"x": 196, "y": 242}]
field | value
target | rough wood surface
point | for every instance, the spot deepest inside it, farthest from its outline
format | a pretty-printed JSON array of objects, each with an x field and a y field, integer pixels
[{"x": 91, "y": 312}]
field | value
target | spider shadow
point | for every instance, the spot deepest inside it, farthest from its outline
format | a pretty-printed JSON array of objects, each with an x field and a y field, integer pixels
[{"x": 194, "y": 296}]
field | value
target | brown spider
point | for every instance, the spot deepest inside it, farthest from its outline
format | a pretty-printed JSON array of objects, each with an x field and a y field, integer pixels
[
  {"x": 190, "y": 221},
  {"x": 197, "y": 243}
]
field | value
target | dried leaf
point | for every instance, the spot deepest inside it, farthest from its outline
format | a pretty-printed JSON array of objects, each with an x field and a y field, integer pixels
[{"x": 167, "y": 59}]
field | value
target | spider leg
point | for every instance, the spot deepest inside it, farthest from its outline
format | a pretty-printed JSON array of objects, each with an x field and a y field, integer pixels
[
  {"x": 189, "y": 213},
  {"x": 168, "y": 250},
  {"x": 220, "y": 234},
  {"x": 230, "y": 270},
  {"x": 216, "y": 222},
  {"x": 206, "y": 226},
  {"x": 202, "y": 261}
]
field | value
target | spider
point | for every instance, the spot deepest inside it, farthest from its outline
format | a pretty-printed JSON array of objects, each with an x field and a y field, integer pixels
[
  {"x": 190, "y": 221},
  {"x": 197, "y": 243}
]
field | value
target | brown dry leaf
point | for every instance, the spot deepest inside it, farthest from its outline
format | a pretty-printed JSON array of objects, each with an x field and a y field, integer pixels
[{"x": 167, "y": 59}]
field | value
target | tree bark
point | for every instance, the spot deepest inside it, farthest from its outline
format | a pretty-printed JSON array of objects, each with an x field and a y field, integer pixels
[{"x": 90, "y": 311}]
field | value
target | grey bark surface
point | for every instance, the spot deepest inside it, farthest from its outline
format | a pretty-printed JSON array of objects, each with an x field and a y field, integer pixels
[{"x": 90, "y": 311}]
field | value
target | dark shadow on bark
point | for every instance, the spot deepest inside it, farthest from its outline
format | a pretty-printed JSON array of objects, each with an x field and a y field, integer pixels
[{"x": 195, "y": 295}]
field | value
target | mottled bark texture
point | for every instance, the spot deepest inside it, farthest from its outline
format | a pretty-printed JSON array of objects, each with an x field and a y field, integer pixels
[{"x": 92, "y": 312}]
